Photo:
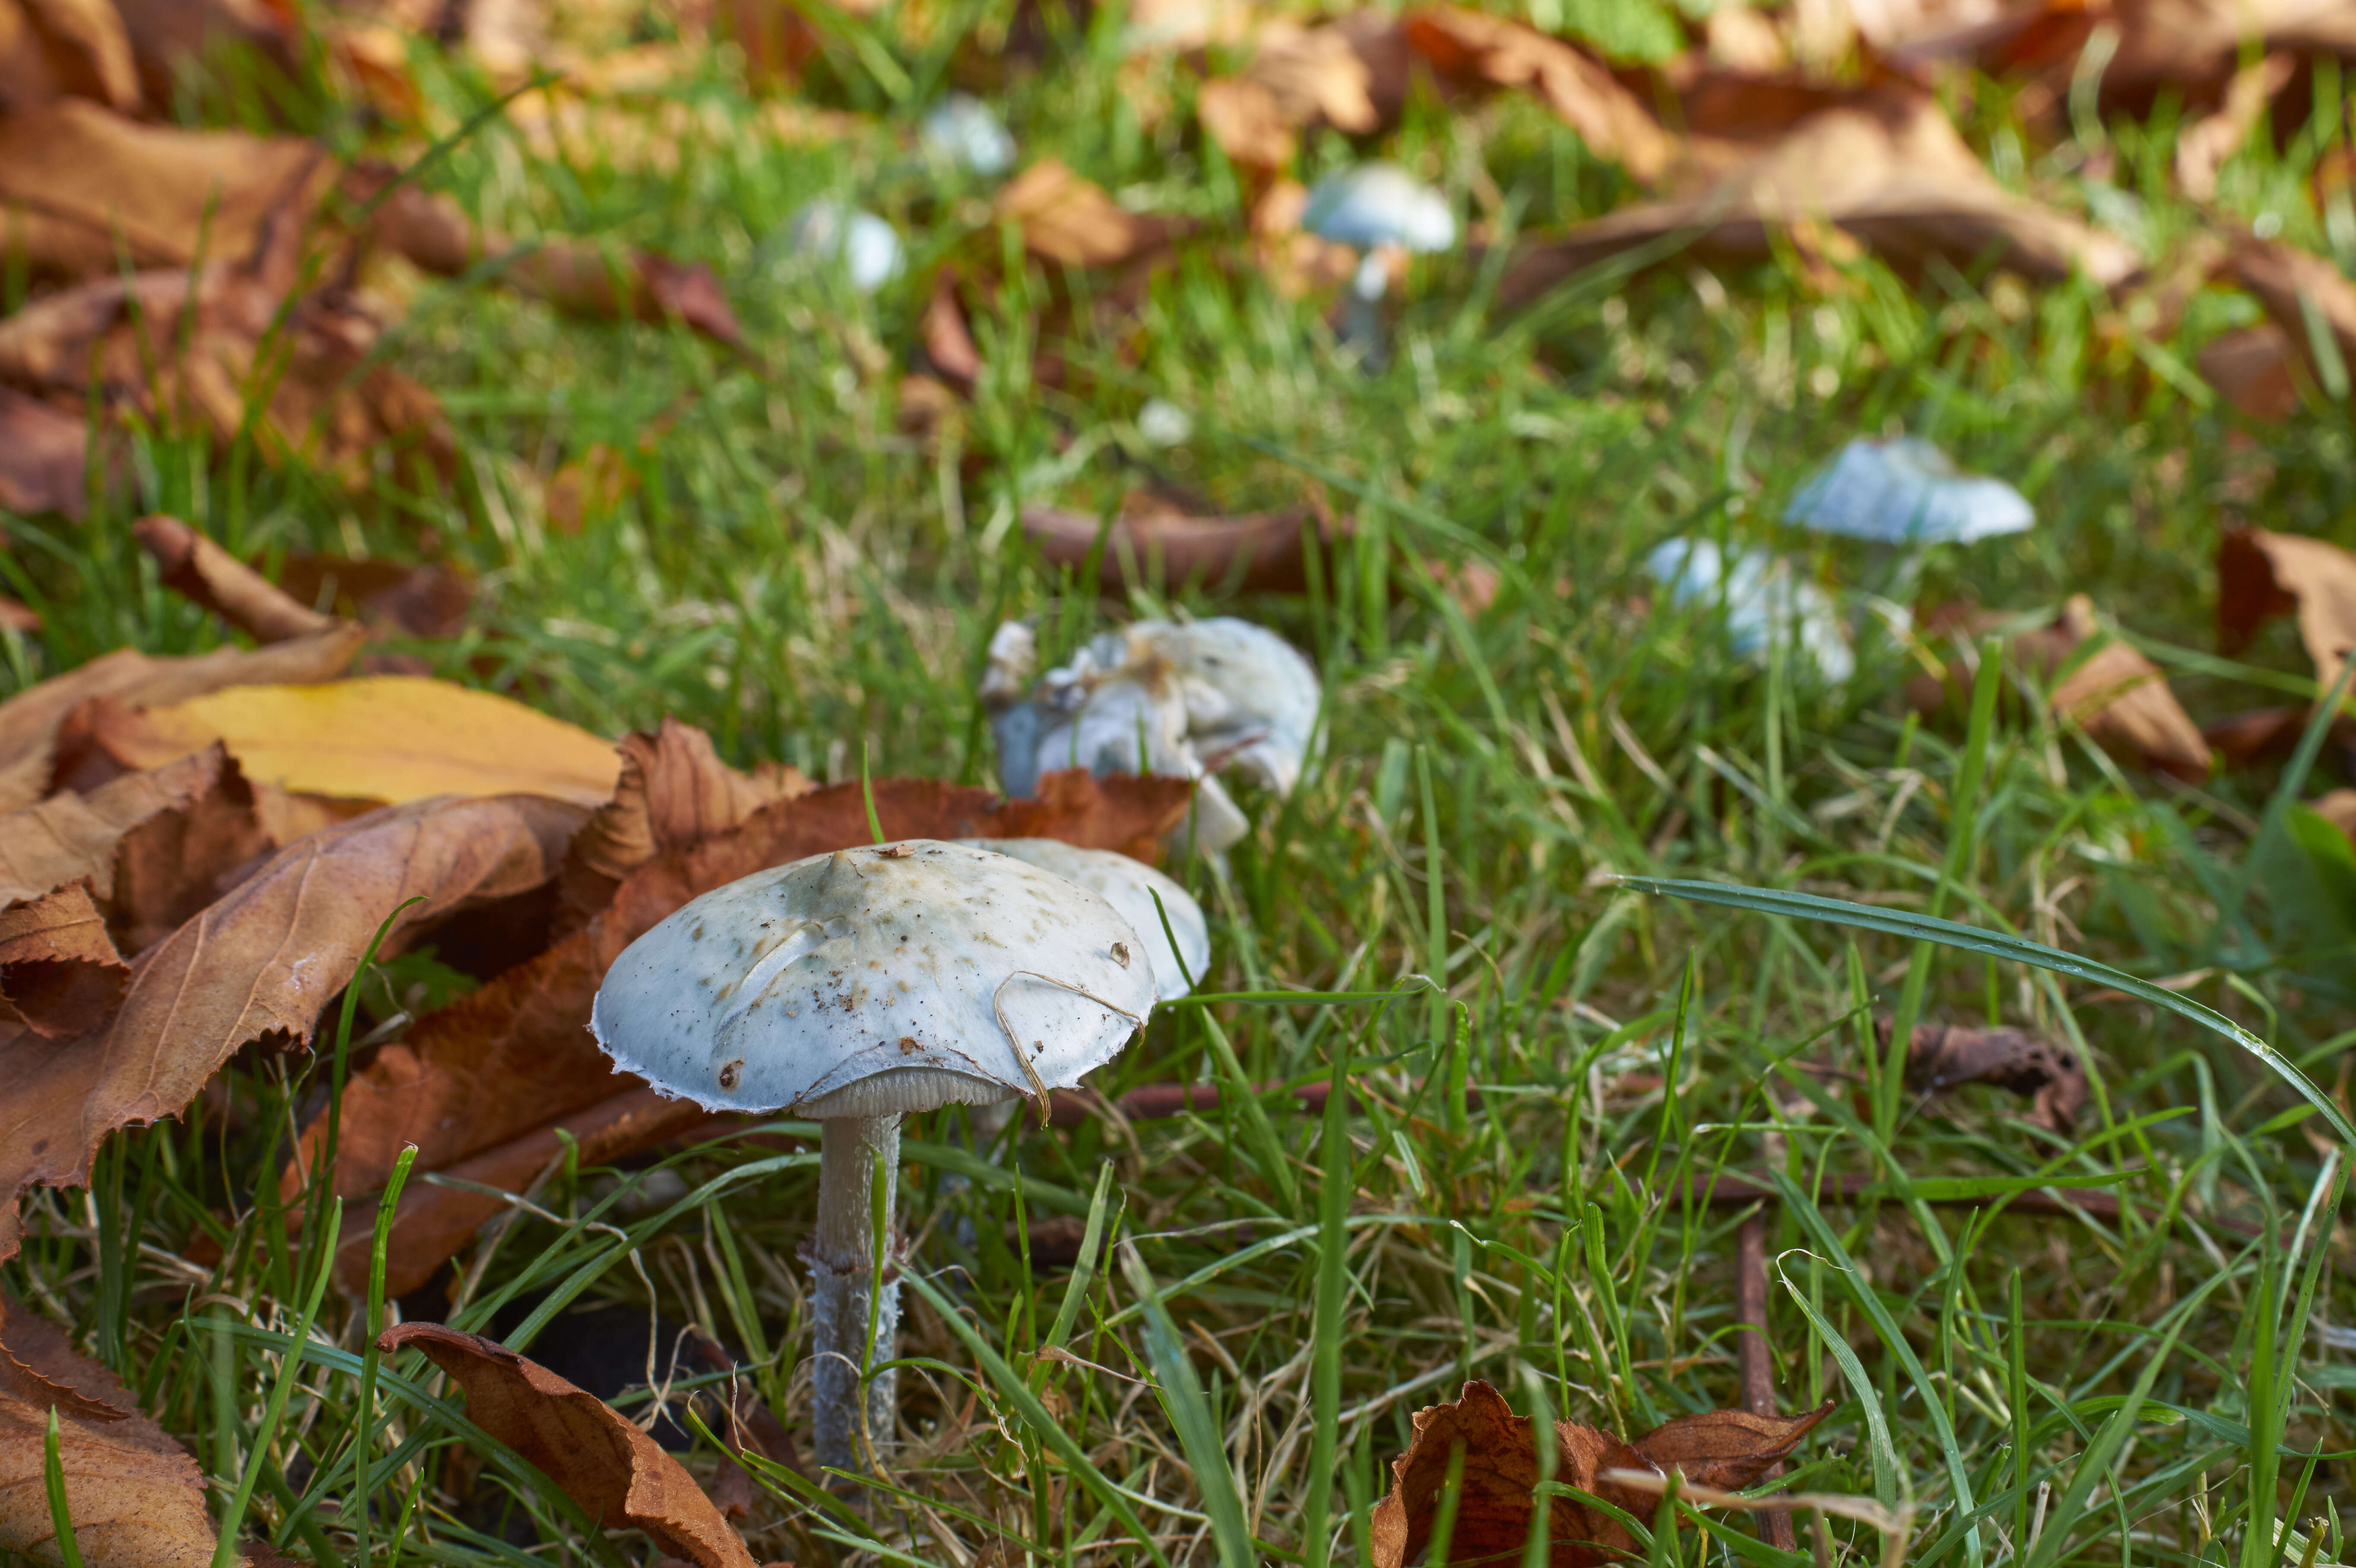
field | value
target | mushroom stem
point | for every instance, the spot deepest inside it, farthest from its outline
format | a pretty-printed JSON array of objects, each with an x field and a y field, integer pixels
[{"x": 842, "y": 1258}]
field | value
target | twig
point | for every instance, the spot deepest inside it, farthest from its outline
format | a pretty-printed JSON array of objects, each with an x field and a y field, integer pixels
[{"x": 1757, "y": 1356}]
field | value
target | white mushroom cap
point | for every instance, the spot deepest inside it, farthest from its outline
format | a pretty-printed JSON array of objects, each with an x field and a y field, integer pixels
[
  {"x": 1766, "y": 600},
  {"x": 867, "y": 248},
  {"x": 1907, "y": 491},
  {"x": 1129, "y": 886},
  {"x": 1380, "y": 204},
  {"x": 872, "y": 981},
  {"x": 965, "y": 130}
]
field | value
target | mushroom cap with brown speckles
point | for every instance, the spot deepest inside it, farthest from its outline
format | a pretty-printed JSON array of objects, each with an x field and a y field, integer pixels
[{"x": 870, "y": 981}]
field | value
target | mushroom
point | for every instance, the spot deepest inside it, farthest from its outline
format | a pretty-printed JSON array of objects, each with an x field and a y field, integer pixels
[
  {"x": 1907, "y": 491},
  {"x": 1129, "y": 886},
  {"x": 852, "y": 988},
  {"x": 867, "y": 248},
  {"x": 1384, "y": 211},
  {"x": 963, "y": 130},
  {"x": 1766, "y": 602},
  {"x": 1181, "y": 699}
]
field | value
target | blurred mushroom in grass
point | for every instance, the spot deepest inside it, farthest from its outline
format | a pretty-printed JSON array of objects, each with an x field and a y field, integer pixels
[
  {"x": 1388, "y": 214},
  {"x": 1192, "y": 699},
  {"x": 830, "y": 233},
  {"x": 1766, "y": 600}
]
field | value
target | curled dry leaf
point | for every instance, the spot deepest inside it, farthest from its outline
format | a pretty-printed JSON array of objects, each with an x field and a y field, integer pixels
[
  {"x": 59, "y": 974},
  {"x": 386, "y": 596},
  {"x": 2339, "y": 808},
  {"x": 490, "y": 1075},
  {"x": 30, "y": 721},
  {"x": 1153, "y": 542},
  {"x": 137, "y": 1499},
  {"x": 2256, "y": 369},
  {"x": 263, "y": 960},
  {"x": 189, "y": 348},
  {"x": 1243, "y": 116},
  {"x": 2290, "y": 282},
  {"x": 1063, "y": 217},
  {"x": 1728, "y": 1448},
  {"x": 64, "y": 49},
  {"x": 2202, "y": 149},
  {"x": 2048, "y": 1074},
  {"x": 1473, "y": 48},
  {"x": 388, "y": 737},
  {"x": 44, "y": 457},
  {"x": 574, "y": 276},
  {"x": 199, "y": 570},
  {"x": 950, "y": 351},
  {"x": 1350, "y": 73},
  {"x": 81, "y": 188},
  {"x": 673, "y": 793},
  {"x": 616, "y": 1472},
  {"x": 1892, "y": 174},
  {"x": 2261, "y": 574},
  {"x": 2116, "y": 695},
  {"x": 75, "y": 837}
]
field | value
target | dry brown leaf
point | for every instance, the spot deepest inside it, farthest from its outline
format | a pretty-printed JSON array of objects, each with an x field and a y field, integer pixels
[
  {"x": 1350, "y": 73},
  {"x": 59, "y": 974},
  {"x": 190, "y": 349},
  {"x": 1894, "y": 174},
  {"x": 388, "y": 737},
  {"x": 1721, "y": 1448},
  {"x": 1152, "y": 542},
  {"x": 29, "y": 722},
  {"x": 193, "y": 566},
  {"x": 2205, "y": 146},
  {"x": 263, "y": 960},
  {"x": 1297, "y": 262},
  {"x": 2289, "y": 282},
  {"x": 83, "y": 50},
  {"x": 950, "y": 351},
  {"x": 137, "y": 1499},
  {"x": 2261, "y": 574},
  {"x": 82, "y": 188},
  {"x": 388, "y": 597},
  {"x": 169, "y": 38},
  {"x": 2256, "y": 369},
  {"x": 75, "y": 837},
  {"x": 673, "y": 793},
  {"x": 2048, "y": 1074},
  {"x": 1065, "y": 218},
  {"x": 616, "y": 1472},
  {"x": 499, "y": 1065},
  {"x": 44, "y": 457},
  {"x": 576, "y": 277},
  {"x": 1243, "y": 116},
  {"x": 2116, "y": 695},
  {"x": 1473, "y": 48}
]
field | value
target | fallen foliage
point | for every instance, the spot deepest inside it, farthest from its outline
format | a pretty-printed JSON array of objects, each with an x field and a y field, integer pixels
[
  {"x": 1727, "y": 1448},
  {"x": 1940, "y": 1057},
  {"x": 386, "y": 738},
  {"x": 262, "y": 960},
  {"x": 618, "y": 1474},
  {"x": 1473, "y": 48},
  {"x": 1063, "y": 217},
  {"x": 2261, "y": 574},
  {"x": 1152, "y": 542},
  {"x": 1891, "y": 174},
  {"x": 199, "y": 570},
  {"x": 137, "y": 1499},
  {"x": 30, "y": 721}
]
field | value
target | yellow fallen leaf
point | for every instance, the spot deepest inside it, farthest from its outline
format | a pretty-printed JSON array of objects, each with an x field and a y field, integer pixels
[{"x": 390, "y": 738}]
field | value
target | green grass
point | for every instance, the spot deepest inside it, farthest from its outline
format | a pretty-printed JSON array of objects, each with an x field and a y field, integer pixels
[{"x": 808, "y": 582}]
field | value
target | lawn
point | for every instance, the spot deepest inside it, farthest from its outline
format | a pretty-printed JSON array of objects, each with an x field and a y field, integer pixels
[{"x": 1552, "y": 1067}]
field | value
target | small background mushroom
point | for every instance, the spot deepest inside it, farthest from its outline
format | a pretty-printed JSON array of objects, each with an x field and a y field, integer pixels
[
  {"x": 1189, "y": 699},
  {"x": 1387, "y": 213}
]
